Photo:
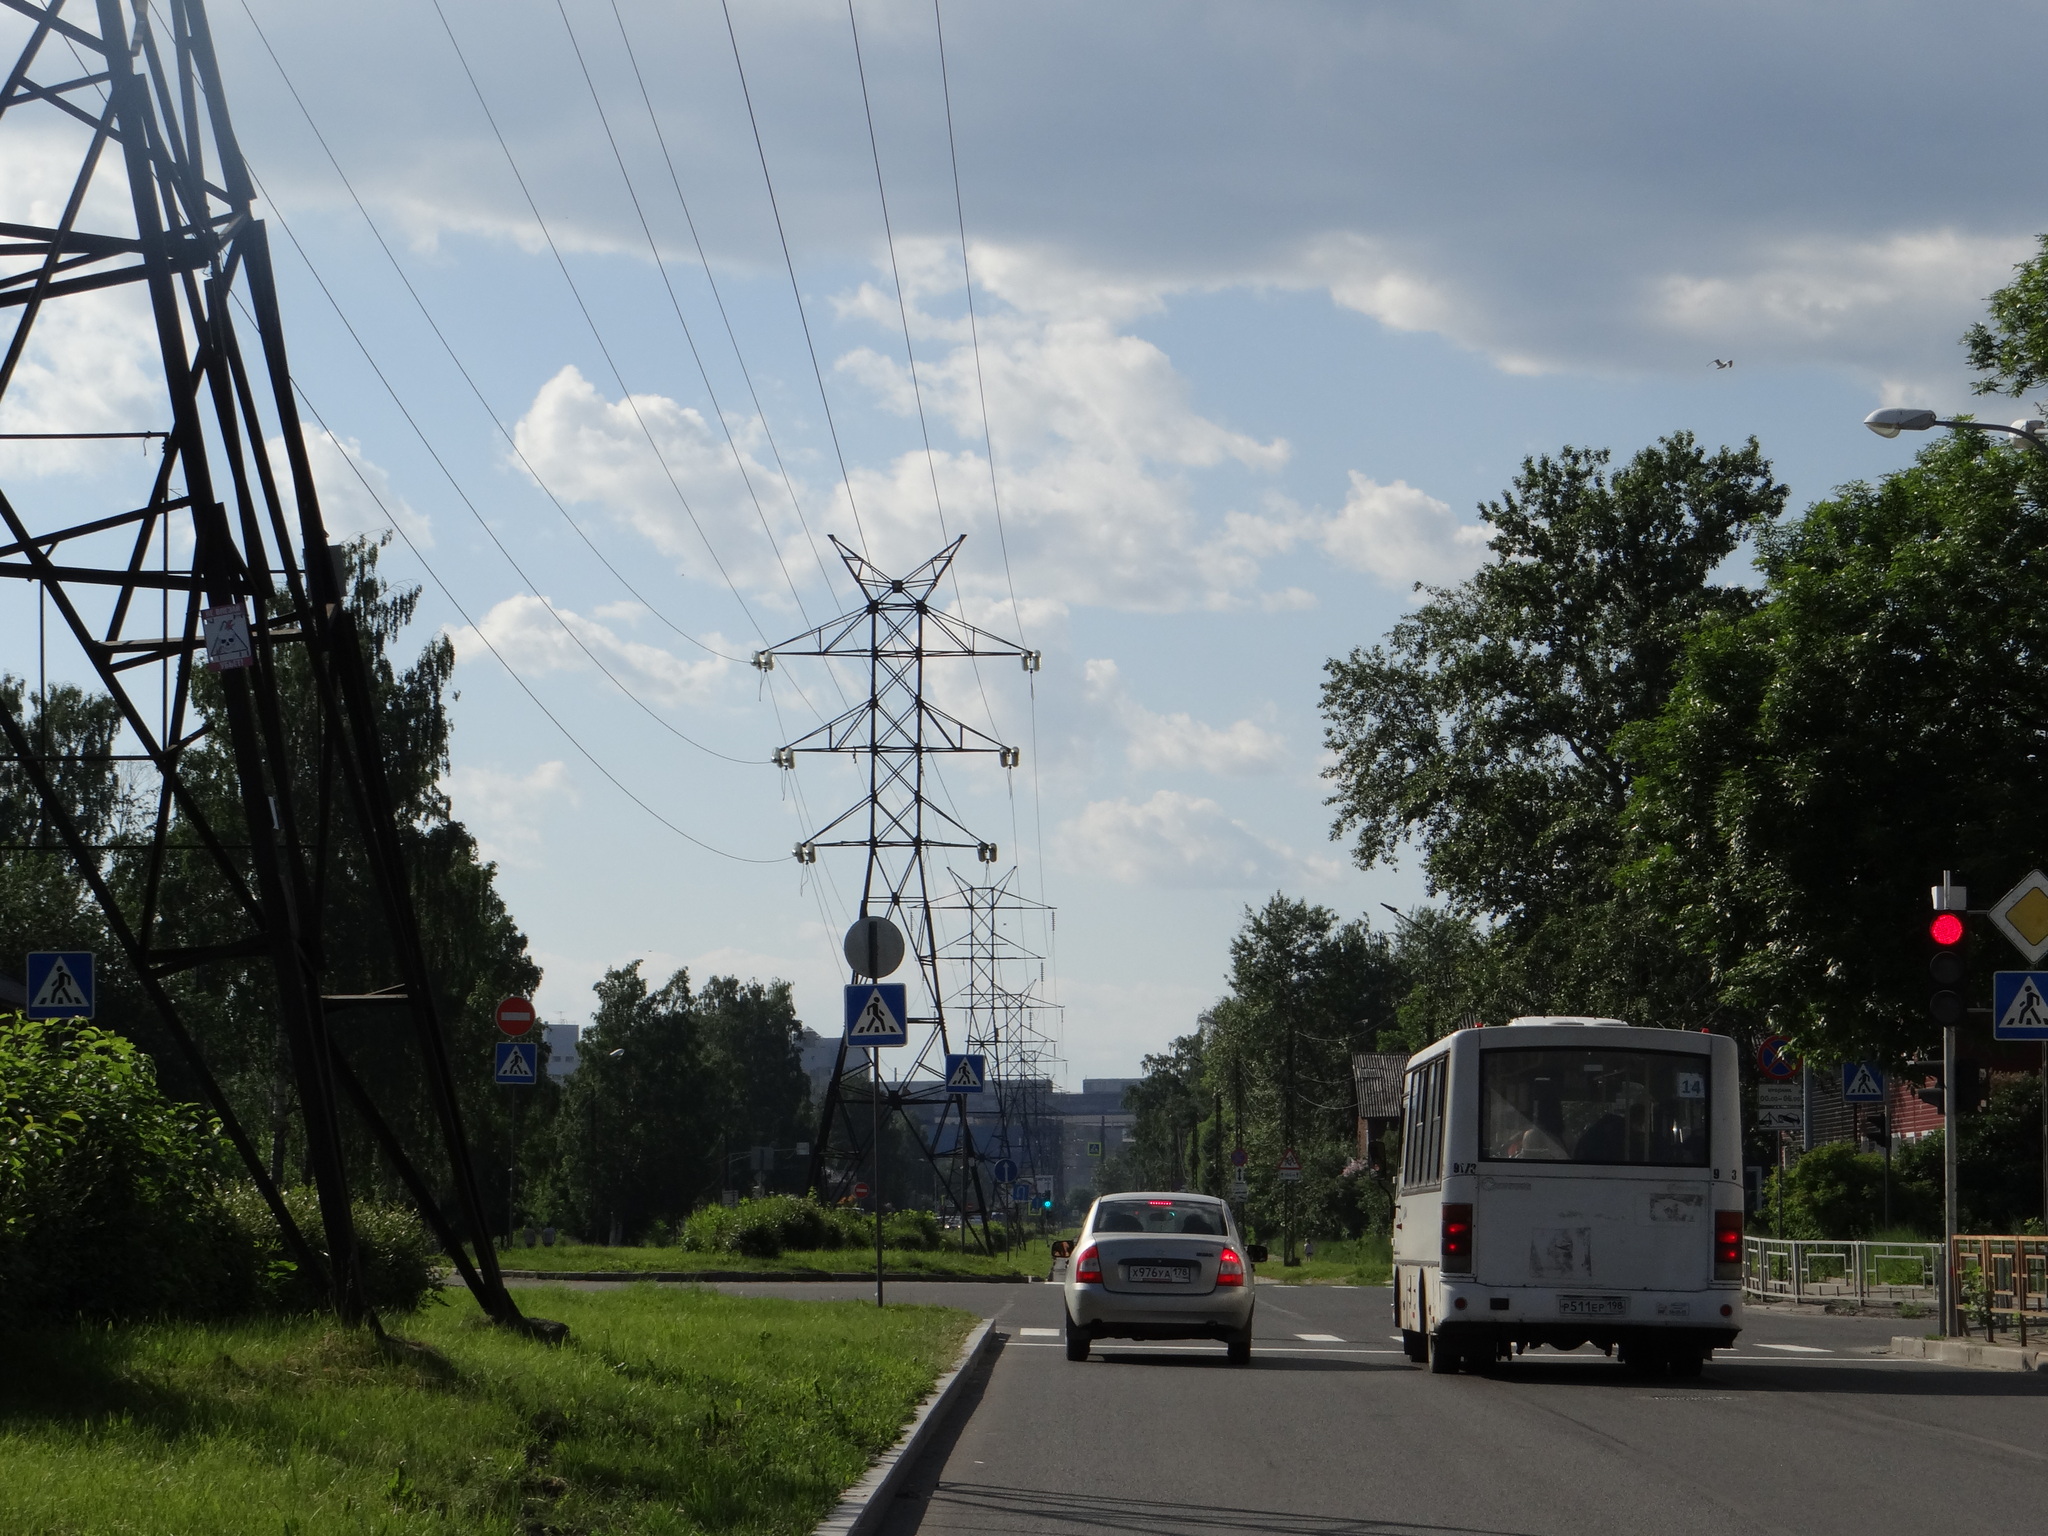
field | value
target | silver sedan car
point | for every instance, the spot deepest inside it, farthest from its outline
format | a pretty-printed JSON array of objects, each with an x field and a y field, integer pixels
[{"x": 1159, "y": 1266}]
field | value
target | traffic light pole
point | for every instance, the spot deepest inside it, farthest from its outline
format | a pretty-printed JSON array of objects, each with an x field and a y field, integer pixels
[{"x": 1951, "y": 1163}]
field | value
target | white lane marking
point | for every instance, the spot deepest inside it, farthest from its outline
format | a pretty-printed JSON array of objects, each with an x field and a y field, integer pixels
[
  {"x": 1039, "y": 1333},
  {"x": 1319, "y": 1338},
  {"x": 1796, "y": 1349},
  {"x": 1398, "y": 1338},
  {"x": 1119, "y": 1347}
]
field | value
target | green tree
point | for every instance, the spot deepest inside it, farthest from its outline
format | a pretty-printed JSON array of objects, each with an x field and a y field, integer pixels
[
  {"x": 1485, "y": 728},
  {"x": 1869, "y": 723}
]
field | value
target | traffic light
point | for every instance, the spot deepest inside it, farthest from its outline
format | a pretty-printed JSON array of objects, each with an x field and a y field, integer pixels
[{"x": 1947, "y": 933}]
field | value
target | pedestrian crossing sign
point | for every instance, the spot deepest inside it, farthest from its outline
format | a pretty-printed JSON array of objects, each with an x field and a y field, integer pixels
[
  {"x": 1862, "y": 1083},
  {"x": 517, "y": 1063},
  {"x": 964, "y": 1074},
  {"x": 60, "y": 984},
  {"x": 875, "y": 1014},
  {"x": 2019, "y": 1005}
]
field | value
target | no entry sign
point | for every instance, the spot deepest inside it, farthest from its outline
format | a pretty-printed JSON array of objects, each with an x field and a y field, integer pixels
[
  {"x": 860, "y": 1191},
  {"x": 515, "y": 1015}
]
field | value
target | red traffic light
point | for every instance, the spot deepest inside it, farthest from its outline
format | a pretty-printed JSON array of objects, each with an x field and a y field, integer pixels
[{"x": 1946, "y": 928}]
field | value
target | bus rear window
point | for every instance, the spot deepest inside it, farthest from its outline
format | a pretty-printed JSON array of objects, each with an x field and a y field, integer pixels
[{"x": 1594, "y": 1106}]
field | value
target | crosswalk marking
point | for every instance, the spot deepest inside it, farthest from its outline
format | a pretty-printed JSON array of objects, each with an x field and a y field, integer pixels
[
  {"x": 1040, "y": 1333},
  {"x": 1796, "y": 1349},
  {"x": 1319, "y": 1338}
]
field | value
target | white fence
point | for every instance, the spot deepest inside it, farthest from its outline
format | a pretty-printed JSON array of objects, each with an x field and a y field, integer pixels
[{"x": 1789, "y": 1270}]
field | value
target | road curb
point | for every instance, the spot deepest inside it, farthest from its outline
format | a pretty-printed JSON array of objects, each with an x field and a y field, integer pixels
[
  {"x": 688, "y": 1276},
  {"x": 1985, "y": 1357},
  {"x": 863, "y": 1506}
]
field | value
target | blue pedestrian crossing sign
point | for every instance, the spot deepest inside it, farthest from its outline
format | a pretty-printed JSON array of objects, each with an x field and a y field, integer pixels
[
  {"x": 2019, "y": 1005},
  {"x": 876, "y": 1013},
  {"x": 1862, "y": 1083},
  {"x": 1006, "y": 1171},
  {"x": 1023, "y": 1189},
  {"x": 518, "y": 1062},
  {"x": 60, "y": 984},
  {"x": 964, "y": 1074}
]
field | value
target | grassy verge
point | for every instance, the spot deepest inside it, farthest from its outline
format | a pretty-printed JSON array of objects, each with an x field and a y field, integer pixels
[
  {"x": 1026, "y": 1258},
  {"x": 666, "y": 1412},
  {"x": 1362, "y": 1261}
]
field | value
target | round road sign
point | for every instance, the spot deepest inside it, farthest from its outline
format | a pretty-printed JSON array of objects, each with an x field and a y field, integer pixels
[
  {"x": 860, "y": 1191},
  {"x": 515, "y": 1015},
  {"x": 874, "y": 947},
  {"x": 1773, "y": 1058},
  {"x": 1239, "y": 1157}
]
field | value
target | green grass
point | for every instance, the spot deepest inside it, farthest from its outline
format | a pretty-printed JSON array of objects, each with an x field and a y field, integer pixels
[
  {"x": 667, "y": 1411},
  {"x": 1356, "y": 1261},
  {"x": 1033, "y": 1258}
]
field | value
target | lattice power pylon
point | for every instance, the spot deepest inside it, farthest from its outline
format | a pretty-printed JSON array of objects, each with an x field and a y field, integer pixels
[
  {"x": 894, "y": 730},
  {"x": 216, "y": 557},
  {"x": 1002, "y": 1015}
]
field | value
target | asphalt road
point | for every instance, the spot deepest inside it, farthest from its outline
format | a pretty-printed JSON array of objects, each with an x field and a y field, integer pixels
[
  {"x": 1804, "y": 1428},
  {"x": 1807, "y": 1427}
]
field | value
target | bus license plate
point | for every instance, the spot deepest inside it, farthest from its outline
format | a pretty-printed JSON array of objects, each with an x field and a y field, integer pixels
[
  {"x": 1592, "y": 1306},
  {"x": 1158, "y": 1274}
]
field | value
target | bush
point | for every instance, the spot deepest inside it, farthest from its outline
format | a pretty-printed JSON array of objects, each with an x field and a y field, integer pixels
[
  {"x": 398, "y": 1257},
  {"x": 913, "y": 1231},
  {"x": 763, "y": 1228},
  {"x": 110, "y": 1202}
]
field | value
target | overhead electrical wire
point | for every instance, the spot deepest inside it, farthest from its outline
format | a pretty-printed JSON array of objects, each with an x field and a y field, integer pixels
[
  {"x": 589, "y": 319},
  {"x": 739, "y": 357},
  {"x": 789, "y": 265},
  {"x": 510, "y": 671},
  {"x": 460, "y": 367},
  {"x": 661, "y": 269}
]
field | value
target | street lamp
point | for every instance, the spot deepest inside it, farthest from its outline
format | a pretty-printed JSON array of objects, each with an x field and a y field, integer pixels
[{"x": 1894, "y": 419}]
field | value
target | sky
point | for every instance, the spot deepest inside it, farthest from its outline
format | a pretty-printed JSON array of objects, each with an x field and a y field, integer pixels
[{"x": 1266, "y": 300}]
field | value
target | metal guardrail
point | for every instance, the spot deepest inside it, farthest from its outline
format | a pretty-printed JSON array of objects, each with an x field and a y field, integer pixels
[
  {"x": 1789, "y": 1269},
  {"x": 2001, "y": 1277}
]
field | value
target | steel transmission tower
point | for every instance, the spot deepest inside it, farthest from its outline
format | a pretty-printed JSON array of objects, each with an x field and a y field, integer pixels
[
  {"x": 217, "y": 557},
  {"x": 894, "y": 730},
  {"x": 1001, "y": 1011}
]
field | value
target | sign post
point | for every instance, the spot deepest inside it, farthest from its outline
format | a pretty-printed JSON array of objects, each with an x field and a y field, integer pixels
[
  {"x": 876, "y": 1015},
  {"x": 515, "y": 1016}
]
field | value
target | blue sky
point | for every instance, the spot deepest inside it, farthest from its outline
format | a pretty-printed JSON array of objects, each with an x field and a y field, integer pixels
[{"x": 1269, "y": 297}]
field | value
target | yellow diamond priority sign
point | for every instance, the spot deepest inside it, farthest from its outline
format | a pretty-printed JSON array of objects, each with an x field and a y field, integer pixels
[{"x": 2022, "y": 916}]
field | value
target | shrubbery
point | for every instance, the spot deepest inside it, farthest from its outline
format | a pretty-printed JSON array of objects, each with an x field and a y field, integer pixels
[
  {"x": 117, "y": 1203},
  {"x": 764, "y": 1228}
]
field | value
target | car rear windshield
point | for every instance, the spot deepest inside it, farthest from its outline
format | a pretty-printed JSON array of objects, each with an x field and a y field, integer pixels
[
  {"x": 1594, "y": 1106},
  {"x": 1198, "y": 1218}
]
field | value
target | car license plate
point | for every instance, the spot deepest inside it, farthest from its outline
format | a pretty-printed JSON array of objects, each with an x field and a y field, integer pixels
[
  {"x": 1592, "y": 1306},
  {"x": 1158, "y": 1274}
]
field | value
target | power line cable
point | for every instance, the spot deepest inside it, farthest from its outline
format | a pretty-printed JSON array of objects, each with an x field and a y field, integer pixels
[
  {"x": 760, "y": 414},
  {"x": 590, "y": 320},
  {"x": 661, "y": 269},
  {"x": 789, "y": 265},
  {"x": 460, "y": 367},
  {"x": 511, "y": 672}
]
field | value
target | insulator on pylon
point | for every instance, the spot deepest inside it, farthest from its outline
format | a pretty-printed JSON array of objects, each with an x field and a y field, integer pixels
[
  {"x": 807, "y": 853},
  {"x": 764, "y": 661},
  {"x": 1032, "y": 659},
  {"x": 986, "y": 853},
  {"x": 785, "y": 757},
  {"x": 1010, "y": 757}
]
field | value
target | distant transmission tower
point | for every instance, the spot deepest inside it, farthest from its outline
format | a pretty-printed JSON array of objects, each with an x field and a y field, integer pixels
[
  {"x": 895, "y": 730},
  {"x": 1002, "y": 1016},
  {"x": 215, "y": 558}
]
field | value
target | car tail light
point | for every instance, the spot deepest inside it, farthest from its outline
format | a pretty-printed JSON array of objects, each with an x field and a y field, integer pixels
[
  {"x": 1458, "y": 1238},
  {"x": 1727, "y": 1245},
  {"x": 1229, "y": 1268},
  {"x": 1088, "y": 1266}
]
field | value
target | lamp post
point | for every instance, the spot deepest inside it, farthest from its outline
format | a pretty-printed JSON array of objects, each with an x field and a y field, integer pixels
[{"x": 1894, "y": 419}]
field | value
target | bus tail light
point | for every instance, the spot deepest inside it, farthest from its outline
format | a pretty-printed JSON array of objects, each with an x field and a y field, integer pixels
[
  {"x": 1727, "y": 1245},
  {"x": 1458, "y": 1239},
  {"x": 1088, "y": 1266},
  {"x": 1229, "y": 1268}
]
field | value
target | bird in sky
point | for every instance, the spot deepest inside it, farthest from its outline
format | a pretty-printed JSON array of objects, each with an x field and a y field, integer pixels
[{"x": 1727, "y": 363}]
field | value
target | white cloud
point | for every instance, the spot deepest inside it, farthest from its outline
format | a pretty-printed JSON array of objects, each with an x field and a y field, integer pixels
[
  {"x": 351, "y": 486},
  {"x": 1179, "y": 840},
  {"x": 1401, "y": 535},
  {"x": 504, "y": 810},
  {"x": 1180, "y": 741},
  {"x": 535, "y": 636}
]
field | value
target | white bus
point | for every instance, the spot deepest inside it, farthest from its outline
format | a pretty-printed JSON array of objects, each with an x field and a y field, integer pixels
[{"x": 1570, "y": 1181}]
